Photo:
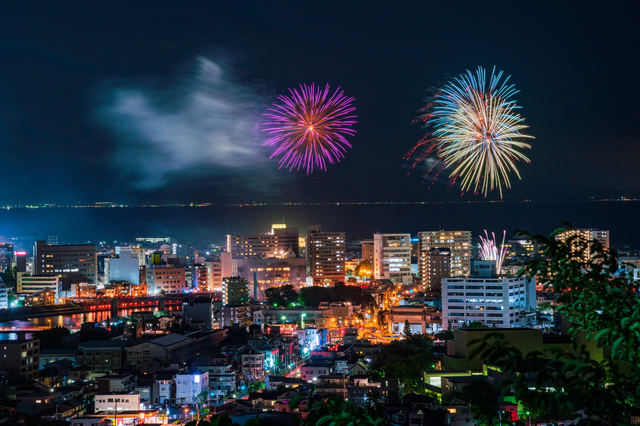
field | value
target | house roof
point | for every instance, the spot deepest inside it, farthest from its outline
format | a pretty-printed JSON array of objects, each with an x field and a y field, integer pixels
[
  {"x": 170, "y": 339},
  {"x": 104, "y": 344}
]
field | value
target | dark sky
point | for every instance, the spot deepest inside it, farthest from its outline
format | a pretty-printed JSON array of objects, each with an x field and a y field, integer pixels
[{"x": 159, "y": 101}]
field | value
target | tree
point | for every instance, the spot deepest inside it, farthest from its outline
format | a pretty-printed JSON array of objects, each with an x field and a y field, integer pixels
[
  {"x": 407, "y": 328},
  {"x": 51, "y": 338},
  {"x": 483, "y": 401},
  {"x": 283, "y": 296},
  {"x": 364, "y": 269},
  {"x": 336, "y": 411},
  {"x": 600, "y": 301},
  {"x": 10, "y": 277}
]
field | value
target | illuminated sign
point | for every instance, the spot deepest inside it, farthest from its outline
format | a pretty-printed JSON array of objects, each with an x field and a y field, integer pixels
[{"x": 21, "y": 253}]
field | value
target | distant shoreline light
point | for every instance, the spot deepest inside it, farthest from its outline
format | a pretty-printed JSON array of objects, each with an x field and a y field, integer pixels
[{"x": 103, "y": 205}]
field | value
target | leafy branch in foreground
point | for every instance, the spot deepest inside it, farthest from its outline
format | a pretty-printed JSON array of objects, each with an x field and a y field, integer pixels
[{"x": 598, "y": 382}]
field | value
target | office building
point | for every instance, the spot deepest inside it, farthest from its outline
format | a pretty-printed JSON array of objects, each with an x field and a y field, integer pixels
[
  {"x": 230, "y": 315},
  {"x": 437, "y": 265},
  {"x": 201, "y": 278},
  {"x": 485, "y": 297},
  {"x": 4, "y": 295},
  {"x": 124, "y": 267},
  {"x": 165, "y": 278},
  {"x": 392, "y": 257},
  {"x": 117, "y": 402},
  {"x": 72, "y": 263},
  {"x": 6, "y": 256},
  {"x": 458, "y": 243},
  {"x": 30, "y": 284},
  {"x": 522, "y": 246},
  {"x": 269, "y": 245},
  {"x": 271, "y": 273},
  {"x": 326, "y": 252},
  {"x": 235, "y": 291}
]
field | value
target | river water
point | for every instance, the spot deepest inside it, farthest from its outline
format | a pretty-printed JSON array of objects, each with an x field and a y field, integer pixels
[{"x": 73, "y": 321}]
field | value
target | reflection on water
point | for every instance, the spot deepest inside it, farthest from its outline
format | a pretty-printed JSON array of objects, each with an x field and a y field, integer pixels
[{"x": 74, "y": 320}]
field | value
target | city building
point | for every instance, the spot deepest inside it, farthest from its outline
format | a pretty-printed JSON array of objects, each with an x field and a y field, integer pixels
[
  {"x": 20, "y": 357},
  {"x": 436, "y": 265},
  {"x": 268, "y": 245},
  {"x": 190, "y": 385},
  {"x": 422, "y": 319},
  {"x": 6, "y": 256},
  {"x": 214, "y": 275},
  {"x": 392, "y": 257},
  {"x": 458, "y": 243},
  {"x": 270, "y": 272},
  {"x": 165, "y": 278},
  {"x": 230, "y": 315},
  {"x": 116, "y": 402},
  {"x": 235, "y": 291},
  {"x": 326, "y": 255},
  {"x": 201, "y": 278},
  {"x": 124, "y": 267},
  {"x": 367, "y": 250},
  {"x": 72, "y": 263},
  {"x": 30, "y": 284},
  {"x": 173, "y": 348},
  {"x": 199, "y": 310},
  {"x": 103, "y": 355},
  {"x": 585, "y": 236},
  {"x": 4, "y": 295},
  {"x": 43, "y": 297},
  {"x": 83, "y": 291},
  {"x": 253, "y": 365},
  {"x": 485, "y": 297}
]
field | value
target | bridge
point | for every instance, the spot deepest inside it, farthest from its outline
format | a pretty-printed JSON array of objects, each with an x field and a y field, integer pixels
[{"x": 124, "y": 302}]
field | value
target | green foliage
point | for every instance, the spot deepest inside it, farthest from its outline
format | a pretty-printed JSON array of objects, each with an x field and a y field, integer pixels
[
  {"x": 10, "y": 277},
  {"x": 364, "y": 269},
  {"x": 483, "y": 400},
  {"x": 313, "y": 296},
  {"x": 406, "y": 360},
  {"x": 604, "y": 308},
  {"x": 407, "y": 329},
  {"x": 284, "y": 295},
  {"x": 336, "y": 411}
]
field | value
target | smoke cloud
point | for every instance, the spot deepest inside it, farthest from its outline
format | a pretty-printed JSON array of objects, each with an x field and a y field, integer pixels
[{"x": 204, "y": 127}]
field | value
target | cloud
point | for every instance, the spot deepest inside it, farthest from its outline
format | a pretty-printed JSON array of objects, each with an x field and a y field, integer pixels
[{"x": 207, "y": 126}]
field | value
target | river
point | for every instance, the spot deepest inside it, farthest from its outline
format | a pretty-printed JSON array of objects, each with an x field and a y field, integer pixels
[{"x": 72, "y": 321}]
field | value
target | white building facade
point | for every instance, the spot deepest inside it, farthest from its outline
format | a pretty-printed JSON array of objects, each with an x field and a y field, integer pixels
[
  {"x": 189, "y": 386},
  {"x": 503, "y": 302},
  {"x": 392, "y": 257}
]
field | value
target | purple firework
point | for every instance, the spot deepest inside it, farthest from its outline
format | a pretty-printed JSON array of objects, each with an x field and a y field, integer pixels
[{"x": 309, "y": 127}]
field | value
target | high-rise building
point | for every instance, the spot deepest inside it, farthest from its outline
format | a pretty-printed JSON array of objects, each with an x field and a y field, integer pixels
[
  {"x": 367, "y": 251},
  {"x": 125, "y": 267},
  {"x": 522, "y": 246},
  {"x": 458, "y": 243},
  {"x": 485, "y": 297},
  {"x": 437, "y": 267},
  {"x": 392, "y": 257},
  {"x": 72, "y": 263},
  {"x": 235, "y": 291},
  {"x": 4, "y": 296},
  {"x": 584, "y": 236},
  {"x": 326, "y": 253},
  {"x": 201, "y": 278},
  {"x": 6, "y": 256},
  {"x": 20, "y": 357},
  {"x": 214, "y": 275},
  {"x": 269, "y": 245},
  {"x": 167, "y": 278}
]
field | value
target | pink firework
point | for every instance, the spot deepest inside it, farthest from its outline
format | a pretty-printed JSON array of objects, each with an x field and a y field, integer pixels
[{"x": 309, "y": 127}]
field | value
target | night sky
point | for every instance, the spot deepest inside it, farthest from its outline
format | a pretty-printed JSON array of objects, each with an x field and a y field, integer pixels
[{"x": 159, "y": 102}]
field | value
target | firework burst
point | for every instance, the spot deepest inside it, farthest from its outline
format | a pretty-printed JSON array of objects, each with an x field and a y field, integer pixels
[
  {"x": 488, "y": 249},
  {"x": 310, "y": 127},
  {"x": 475, "y": 131}
]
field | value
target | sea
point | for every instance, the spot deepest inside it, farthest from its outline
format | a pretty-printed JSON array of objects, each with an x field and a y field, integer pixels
[{"x": 358, "y": 220}]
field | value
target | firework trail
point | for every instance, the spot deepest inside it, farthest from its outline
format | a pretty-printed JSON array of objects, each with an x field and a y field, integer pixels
[
  {"x": 475, "y": 131},
  {"x": 309, "y": 127},
  {"x": 488, "y": 249}
]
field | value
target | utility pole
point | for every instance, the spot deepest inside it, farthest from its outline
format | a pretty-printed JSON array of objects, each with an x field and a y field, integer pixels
[{"x": 115, "y": 413}]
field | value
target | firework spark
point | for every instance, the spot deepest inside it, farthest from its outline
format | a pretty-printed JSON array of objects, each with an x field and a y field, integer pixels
[
  {"x": 475, "y": 131},
  {"x": 488, "y": 249},
  {"x": 309, "y": 127}
]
